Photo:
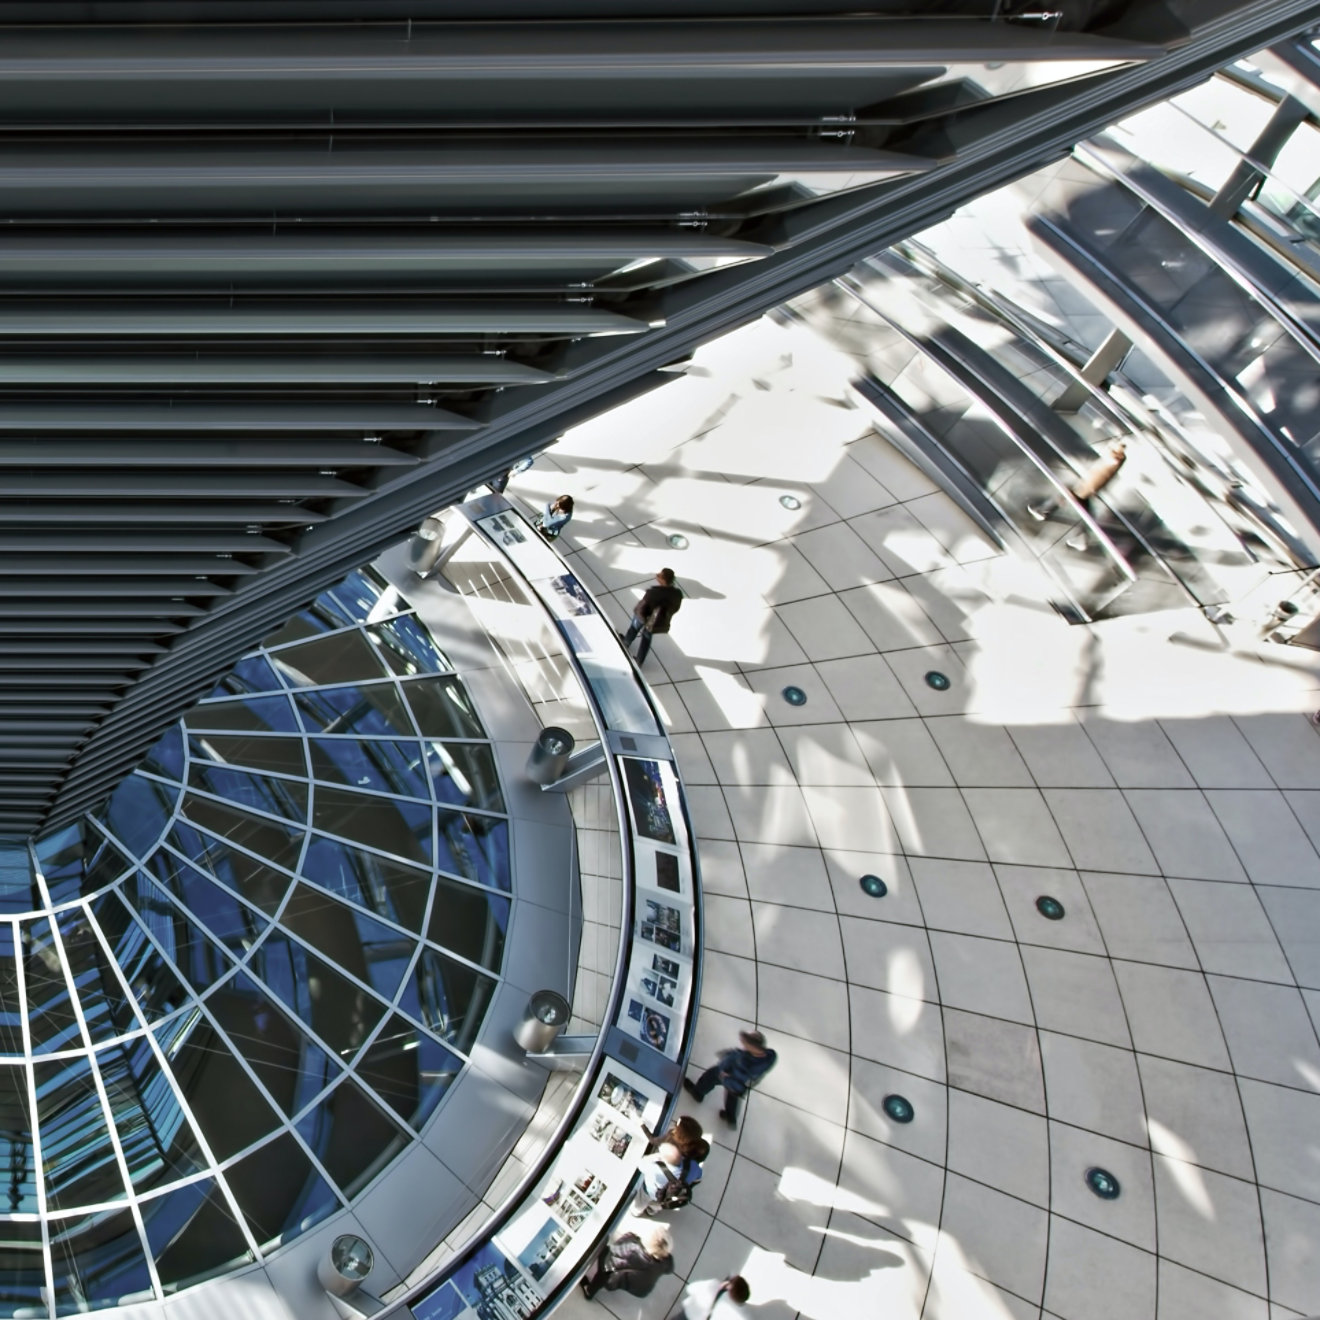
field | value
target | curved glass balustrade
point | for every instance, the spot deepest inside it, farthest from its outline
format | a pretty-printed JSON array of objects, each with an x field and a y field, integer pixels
[{"x": 238, "y": 990}]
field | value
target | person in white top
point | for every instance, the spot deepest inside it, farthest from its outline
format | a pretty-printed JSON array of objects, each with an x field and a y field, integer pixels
[
  {"x": 656, "y": 1172},
  {"x": 714, "y": 1299}
]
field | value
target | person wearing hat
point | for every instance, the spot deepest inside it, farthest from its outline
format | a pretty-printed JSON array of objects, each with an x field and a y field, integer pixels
[{"x": 737, "y": 1071}]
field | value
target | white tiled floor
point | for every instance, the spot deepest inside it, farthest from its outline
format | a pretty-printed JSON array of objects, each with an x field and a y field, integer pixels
[{"x": 1165, "y": 794}]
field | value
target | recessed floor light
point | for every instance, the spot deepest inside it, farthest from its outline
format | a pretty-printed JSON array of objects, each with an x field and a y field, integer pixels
[
  {"x": 899, "y": 1108},
  {"x": 678, "y": 541},
  {"x": 940, "y": 682},
  {"x": 874, "y": 886},
  {"x": 1049, "y": 908},
  {"x": 1103, "y": 1184},
  {"x": 794, "y": 696},
  {"x": 790, "y": 501}
]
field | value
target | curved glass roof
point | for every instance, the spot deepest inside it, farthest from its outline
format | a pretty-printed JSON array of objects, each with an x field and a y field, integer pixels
[{"x": 235, "y": 992}]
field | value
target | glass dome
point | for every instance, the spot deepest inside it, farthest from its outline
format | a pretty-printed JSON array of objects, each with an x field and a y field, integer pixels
[{"x": 230, "y": 996}]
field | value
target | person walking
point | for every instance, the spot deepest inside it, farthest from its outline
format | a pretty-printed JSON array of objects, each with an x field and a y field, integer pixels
[
  {"x": 714, "y": 1299},
  {"x": 634, "y": 1262},
  {"x": 555, "y": 517},
  {"x": 738, "y": 1071},
  {"x": 653, "y": 612},
  {"x": 1090, "y": 484}
]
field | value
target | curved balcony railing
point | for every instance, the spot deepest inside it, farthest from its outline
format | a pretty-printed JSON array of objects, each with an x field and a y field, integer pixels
[{"x": 638, "y": 982}]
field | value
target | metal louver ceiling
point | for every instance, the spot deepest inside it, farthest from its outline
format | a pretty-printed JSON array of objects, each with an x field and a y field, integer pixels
[{"x": 277, "y": 281}]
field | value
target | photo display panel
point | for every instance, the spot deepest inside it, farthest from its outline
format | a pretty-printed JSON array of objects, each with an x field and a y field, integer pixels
[{"x": 660, "y": 980}]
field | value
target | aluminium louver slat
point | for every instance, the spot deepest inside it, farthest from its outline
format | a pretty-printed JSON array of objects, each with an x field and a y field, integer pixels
[
  {"x": 180, "y": 417},
  {"x": 500, "y": 176},
  {"x": 112, "y": 514},
  {"x": 171, "y": 451},
  {"x": 90, "y": 610},
  {"x": 83, "y": 542},
  {"x": 186, "y": 490},
  {"x": 327, "y": 320},
  {"x": 37, "y": 565},
  {"x": 243, "y": 256},
  {"x": 275, "y": 369},
  {"x": 148, "y": 588}
]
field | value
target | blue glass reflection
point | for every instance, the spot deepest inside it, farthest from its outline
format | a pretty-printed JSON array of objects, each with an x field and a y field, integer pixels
[
  {"x": 292, "y": 1067},
  {"x": 77, "y": 1158},
  {"x": 380, "y": 884},
  {"x": 407, "y": 647},
  {"x": 156, "y": 1138},
  {"x": 362, "y": 946},
  {"x": 213, "y": 905},
  {"x": 18, "y": 885},
  {"x": 475, "y": 847},
  {"x": 378, "y": 764},
  {"x": 373, "y": 710},
  {"x": 278, "y": 797},
  {"x": 104, "y": 1005},
  {"x": 166, "y": 757},
  {"x": 253, "y": 673},
  {"x": 11, "y": 1003},
  {"x": 97, "y": 1261},
  {"x": 251, "y": 715},
  {"x": 351, "y": 1136},
  {"x": 16, "y": 1158},
  {"x": 78, "y": 860},
  {"x": 137, "y": 813},
  {"x": 155, "y": 987},
  {"x": 353, "y": 599},
  {"x": 52, "y": 1023}
]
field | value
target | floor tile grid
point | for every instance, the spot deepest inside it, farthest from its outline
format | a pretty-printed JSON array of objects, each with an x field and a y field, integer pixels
[
  {"x": 1159, "y": 872},
  {"x": 1256, "y": 1181},
  {"x": 1145, "y": 1108},
  {"x": 948, "y": 1174},
  {"x": 944, "y": 1164},
  {"x": 1145, "y": 1148},
  {"x": 1039, "y": 1299}
]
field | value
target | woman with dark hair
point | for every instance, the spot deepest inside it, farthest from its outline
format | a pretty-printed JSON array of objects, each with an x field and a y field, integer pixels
[{"x": 555, "y": 517}]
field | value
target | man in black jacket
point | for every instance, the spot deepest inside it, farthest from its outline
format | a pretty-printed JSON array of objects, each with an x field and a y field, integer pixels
[
  {"x": 633, "y": 1262},
  {"x": 653, "y": 612}
]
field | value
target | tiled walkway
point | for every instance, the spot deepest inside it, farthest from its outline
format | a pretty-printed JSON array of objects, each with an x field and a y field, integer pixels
[{"x": 1156, "y": 777}]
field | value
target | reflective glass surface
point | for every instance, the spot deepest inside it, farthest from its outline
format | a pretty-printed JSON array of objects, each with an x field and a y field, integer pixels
[{"x": 234, "y": 992}]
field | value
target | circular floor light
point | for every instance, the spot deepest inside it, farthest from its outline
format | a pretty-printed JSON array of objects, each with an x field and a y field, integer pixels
[
  {"x": 790, "y": 501},
  {"x": 678, "y": 541},
  {"x": 1103, "y": 1184},
  {"x": 794, "y": 696},
  {"x": 940, "y": 682},
  {"x": 873, "y": 886},
  {"x": 1050, "y": 908},
  {"x": 899, "y": 1108}
]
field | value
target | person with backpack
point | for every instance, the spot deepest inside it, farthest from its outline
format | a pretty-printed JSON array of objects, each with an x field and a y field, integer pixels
[
  {"x": 668, "y": 1177},
  {"x": 652, "y": 613},
  {"x": 679, "y": 1182}
]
